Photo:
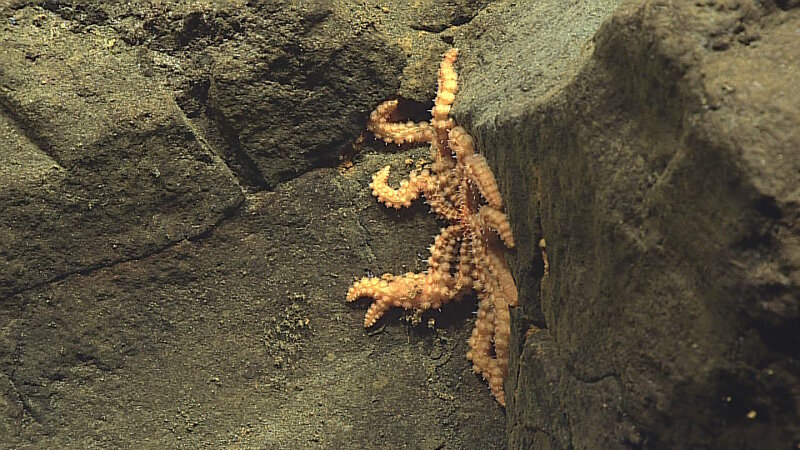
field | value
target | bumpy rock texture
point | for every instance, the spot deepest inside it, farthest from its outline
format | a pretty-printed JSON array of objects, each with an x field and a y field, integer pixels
[
  {"x": 99, "y": 163},
  {"x": 291, "y": 104},
  {"x": 664, "y": 174},
  {"x": 176, "y": 243}
]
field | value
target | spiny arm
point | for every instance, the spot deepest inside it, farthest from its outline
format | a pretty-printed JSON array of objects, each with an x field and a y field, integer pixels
[{"x": 399, "y": 133}]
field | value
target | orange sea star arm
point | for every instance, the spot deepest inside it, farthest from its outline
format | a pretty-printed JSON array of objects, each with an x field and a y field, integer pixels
[
  {"x": 387, "y": 291},
  {"x": 399, "y": 133},
  {"x": 408, "y": 191},
  {"x": 495, "y": 220},
  {"x": 475, "y": 167}
]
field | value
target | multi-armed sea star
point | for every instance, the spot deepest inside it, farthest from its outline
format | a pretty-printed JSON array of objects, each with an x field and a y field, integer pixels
[{"x": 467, "y": 254}]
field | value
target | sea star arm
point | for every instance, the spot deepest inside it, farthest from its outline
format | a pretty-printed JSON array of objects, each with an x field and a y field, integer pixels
[
  {"x": 408, "y": 191},
  {"x": 445, "y": 95},
  {"x": 480, "y": 348},
  {"x": 489, "y": 343},
  {"x": 440, "y": 192},
  {"x": 506, "y": 287},
  {"x": 497, "y": 291},
  {"x": 440, "y": 285},
  {"x": 475, "y": 166},
  {"x": 495, "y": 220},
  {"x": 399, "y": 133},
  {"x": 477, "y": 170},
  {"x": 387, "y": 291},
  {"x": 466, "y": 264}
]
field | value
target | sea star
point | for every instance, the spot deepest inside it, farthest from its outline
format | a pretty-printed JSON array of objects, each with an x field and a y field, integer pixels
[{"x": 467, "y": 254}]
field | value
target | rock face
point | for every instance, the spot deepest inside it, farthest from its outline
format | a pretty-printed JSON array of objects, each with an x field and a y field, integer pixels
[
  {"x": 291, "y": 93},
  {"x": 176, "y": 243},
  {"x": 662, "y": 167},
  {"x": 100, "y": 165}
]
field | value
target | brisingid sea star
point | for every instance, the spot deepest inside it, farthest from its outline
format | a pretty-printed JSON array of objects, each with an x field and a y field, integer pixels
[{"x": 467, "y": 254}]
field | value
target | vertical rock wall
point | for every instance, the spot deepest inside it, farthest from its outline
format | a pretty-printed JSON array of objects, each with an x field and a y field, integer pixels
[{"x": 661, "y": 166}]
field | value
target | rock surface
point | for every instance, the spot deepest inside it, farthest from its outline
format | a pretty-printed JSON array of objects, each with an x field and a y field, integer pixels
[
  {"x": 291, "y": 90},
  {"x": 660, "y": 164},
  {"x": 176, "y": 240},
  {"x": 99, "y": 165},
  {"x": 169, "y": 282}
]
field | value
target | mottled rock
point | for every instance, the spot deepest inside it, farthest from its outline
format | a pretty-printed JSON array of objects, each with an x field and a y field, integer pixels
[
  {"x": 99, "y": 164},
  {"x": 239, "y": 336},
  {"x": 656, "y": 157},
  {"x": 293, "y": 92},
  {"x": 659, "y": 162}
]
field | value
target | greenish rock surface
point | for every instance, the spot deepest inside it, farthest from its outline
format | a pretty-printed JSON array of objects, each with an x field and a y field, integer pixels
[
  {"x": 178, "y": 233},
  {"x": 99, "y": 164},
  {"x": 658, "y": 161}
]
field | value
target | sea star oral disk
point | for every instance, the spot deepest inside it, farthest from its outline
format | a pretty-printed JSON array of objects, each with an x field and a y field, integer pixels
[{"x": 468, "y": 254}]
